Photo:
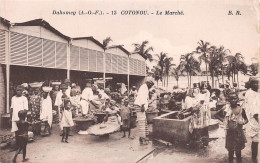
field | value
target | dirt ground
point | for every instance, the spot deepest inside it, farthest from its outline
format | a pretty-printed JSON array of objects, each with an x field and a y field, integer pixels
[{"x": 87, "y": 148}]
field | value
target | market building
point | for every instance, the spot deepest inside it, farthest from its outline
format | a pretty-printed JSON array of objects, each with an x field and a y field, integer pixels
[{"x": 35, "y": 51}]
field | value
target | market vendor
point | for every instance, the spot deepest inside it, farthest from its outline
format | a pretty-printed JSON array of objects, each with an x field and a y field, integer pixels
[
  {"x": 141, "y": 105},
  {"x": 200, "y": 118},
  {"x": 86, "y": 98},
  {"x": 112, "y": 113},
  {"x": 35, "y": 104},
  {"x": 46, "y": 112}
]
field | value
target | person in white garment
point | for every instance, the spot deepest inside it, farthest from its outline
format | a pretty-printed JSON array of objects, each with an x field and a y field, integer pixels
[
  {"x": 141, "y": 105},
  {"x": 67, "y": 82},
  {"x": 252, "y": 107},
  {"x": 46, "y": 111},
  {"x": 86, "y": 98},
  {"x": 18, "y": 103}
]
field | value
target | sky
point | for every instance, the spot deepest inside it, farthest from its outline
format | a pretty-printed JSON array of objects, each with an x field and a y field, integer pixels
[{"x": 172, "y": 34}]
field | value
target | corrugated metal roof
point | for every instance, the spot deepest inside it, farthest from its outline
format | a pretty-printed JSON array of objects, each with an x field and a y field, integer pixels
[
  {"x": 89, "y": 38},
  {"x": 120, "y": 47},
  {"x": 45, "y": 24},
  {"x": 5, "y": 22}
]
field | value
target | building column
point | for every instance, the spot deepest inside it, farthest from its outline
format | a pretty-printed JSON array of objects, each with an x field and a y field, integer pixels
[
  {"x": 128, "y": 74},
  {"x": 104, "y": 69},
  {"x": 8, "y": 73},
  {"x": 68, "y": 59}
]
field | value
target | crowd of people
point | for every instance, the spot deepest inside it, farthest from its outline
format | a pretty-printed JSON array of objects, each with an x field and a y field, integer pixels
[{"x": 64, "y": 101}]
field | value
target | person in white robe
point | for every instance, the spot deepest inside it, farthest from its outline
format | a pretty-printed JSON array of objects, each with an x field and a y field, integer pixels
[
  {"x": 141, "y": 105},
  {"x": 46, "y": 109},
  {"x": 86, "y": 98},
  {"x": 252, "y": 105}
]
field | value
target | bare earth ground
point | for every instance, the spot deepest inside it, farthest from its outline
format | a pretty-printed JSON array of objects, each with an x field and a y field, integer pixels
[{"x": 87, "y": 148}]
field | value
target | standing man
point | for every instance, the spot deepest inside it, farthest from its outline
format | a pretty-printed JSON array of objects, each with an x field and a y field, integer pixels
[
  {"x": 141, "y": 103},
  {"x": 86, "y": 98},
  {"x": 252, "y": 105}
]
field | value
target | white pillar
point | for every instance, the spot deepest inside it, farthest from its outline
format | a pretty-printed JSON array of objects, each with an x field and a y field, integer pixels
[
  {"x": 128, "y": 74},
  {"x": 68, "y": 59},
  {"x": 104, "y": 69},
  {"x": 8, "y": 74}
]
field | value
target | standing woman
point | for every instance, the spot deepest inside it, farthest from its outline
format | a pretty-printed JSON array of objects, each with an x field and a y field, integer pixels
[
  {"x": 35, "y": 104},
  {"x": 234, "y": 121},
  {"x": 200, "y": 118}
]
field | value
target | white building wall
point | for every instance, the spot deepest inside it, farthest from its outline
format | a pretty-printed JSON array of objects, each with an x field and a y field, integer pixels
[{"x": 38, "y": 31}]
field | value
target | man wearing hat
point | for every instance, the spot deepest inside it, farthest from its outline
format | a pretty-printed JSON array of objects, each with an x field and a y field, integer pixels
[
  {"x": 86, "y": 97},
  {"x": 18, "y": 103},
  {"x": 141, "y": 105},
  {"x": 252, "y": 105}
]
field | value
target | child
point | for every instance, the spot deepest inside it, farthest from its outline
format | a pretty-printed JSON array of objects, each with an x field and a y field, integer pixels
[
  {"x": 234, "y": 121},
  {"x": 22, "y": 134},
  {"x": 126, "y": 115},
  {"x": 66, "y": 120}
]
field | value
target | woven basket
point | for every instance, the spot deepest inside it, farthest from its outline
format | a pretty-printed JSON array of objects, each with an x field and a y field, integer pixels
[
  {"x": 103, "y": 129},
  {"x": 36, "y": 84},
  {"x": 46, "y": 89}
]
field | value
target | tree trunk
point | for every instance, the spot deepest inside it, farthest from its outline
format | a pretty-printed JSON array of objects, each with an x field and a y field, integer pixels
[
  {"x": 167, "y": 80},
  {"x": 222, "y": 73},
  {"x": 237, "y": 80},
  {"x": 212, "y": 79},
  {"x": 207, "y": 71},
  {"x": 188, "y": 79}
]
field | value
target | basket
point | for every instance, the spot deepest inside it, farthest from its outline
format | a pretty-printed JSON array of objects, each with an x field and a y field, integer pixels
[
  {"x": 103, "y": 129},
  {"x": 36, "y": 84},
  {"x": 56, "y": 83},
  {"x": 46, "y": 89}
]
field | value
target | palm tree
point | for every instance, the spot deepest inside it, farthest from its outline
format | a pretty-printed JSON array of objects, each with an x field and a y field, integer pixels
[
  {"x": 240, "y": 65},
  {"x": 143, "y": 50},
  {"x": 204, "y": 49},
  {"x": 106, "y": 41},
  {"x": 222, "y": 55},
  {"x": 168, "y": 64},
  {"x": 189, "y": 65},
  {"x": 157, "y": 74},
  {"x": 161, "y": 61},
  {"x": 176, "y": 73},
  {"x": 236, "y": 65}
]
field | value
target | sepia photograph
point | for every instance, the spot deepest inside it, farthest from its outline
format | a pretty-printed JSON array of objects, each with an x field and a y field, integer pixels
[{"x": 129, "y": 81}]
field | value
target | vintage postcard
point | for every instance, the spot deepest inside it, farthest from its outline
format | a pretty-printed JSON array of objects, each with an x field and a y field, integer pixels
[{"x": 129, "y": 81}]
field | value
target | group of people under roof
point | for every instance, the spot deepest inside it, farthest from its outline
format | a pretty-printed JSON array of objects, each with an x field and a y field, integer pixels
[{"x": 68, "y": 101}]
